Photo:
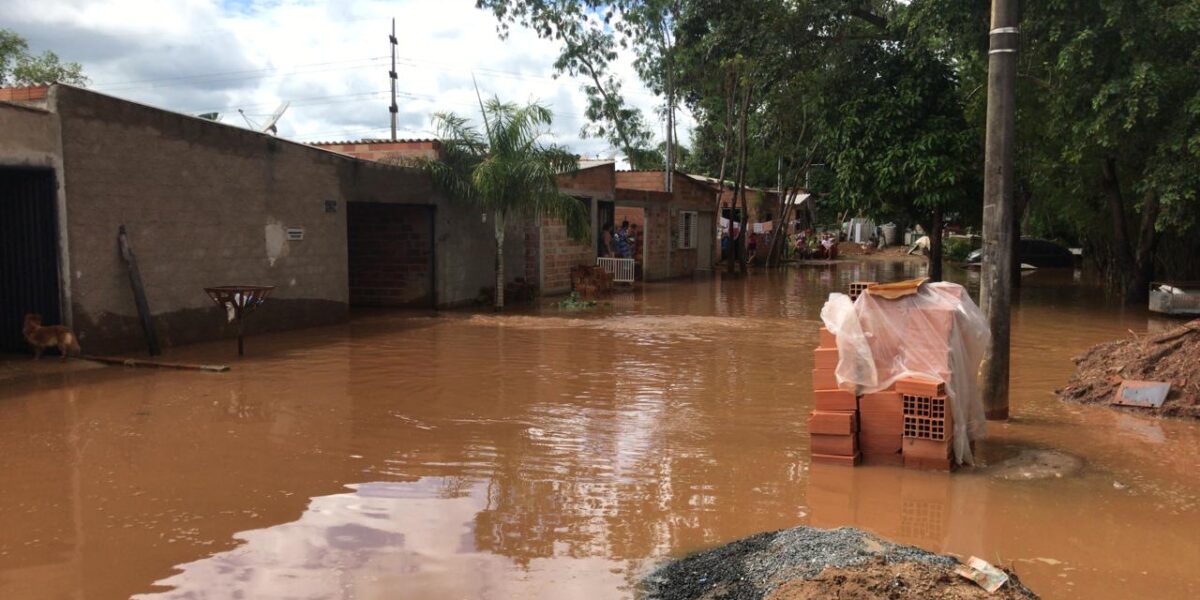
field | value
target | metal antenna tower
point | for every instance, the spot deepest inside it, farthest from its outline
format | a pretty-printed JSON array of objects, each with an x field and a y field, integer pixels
[{"x": 393, "y": 108}]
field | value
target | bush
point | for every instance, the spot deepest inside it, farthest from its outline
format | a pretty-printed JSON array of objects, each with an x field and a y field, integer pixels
[{"x": 957, "y": 248}]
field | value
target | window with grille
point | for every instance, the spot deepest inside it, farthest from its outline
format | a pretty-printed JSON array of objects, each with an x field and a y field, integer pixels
[{"x": 687, "y": 229}]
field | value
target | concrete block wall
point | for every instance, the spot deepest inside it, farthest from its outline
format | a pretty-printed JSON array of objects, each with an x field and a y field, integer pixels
[{"x": 204, "y": 204}]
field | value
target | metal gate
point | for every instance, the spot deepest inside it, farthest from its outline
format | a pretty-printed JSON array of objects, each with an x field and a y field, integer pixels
[{"x": 28, "y": 252}]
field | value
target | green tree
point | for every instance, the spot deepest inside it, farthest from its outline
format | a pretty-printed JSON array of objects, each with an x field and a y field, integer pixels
[
  {"x": 507, "y": 169},
  {"x": 591, "y": 33},
  {"x": 852, "y": 85},
  {"x": 1108, "y": 117},
  {"x": 1121, "y": 90},
  {"x": 20, "y": 68}
]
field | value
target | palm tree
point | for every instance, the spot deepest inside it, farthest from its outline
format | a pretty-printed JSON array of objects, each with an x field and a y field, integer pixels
[{"x": 507, "y": 169}]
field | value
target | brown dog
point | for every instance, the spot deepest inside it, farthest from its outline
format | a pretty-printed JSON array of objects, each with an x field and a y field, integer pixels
[{"x": 47, "y": 337}]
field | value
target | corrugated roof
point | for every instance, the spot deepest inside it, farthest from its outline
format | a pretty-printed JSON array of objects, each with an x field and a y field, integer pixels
[
  {"x": 588, "y": 163},
  {"x": 374, "y": 141}
]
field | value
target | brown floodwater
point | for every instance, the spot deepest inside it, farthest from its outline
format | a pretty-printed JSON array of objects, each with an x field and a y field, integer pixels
[{"x": 553, "y": 454}]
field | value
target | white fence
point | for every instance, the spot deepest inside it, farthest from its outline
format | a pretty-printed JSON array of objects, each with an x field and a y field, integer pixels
[{"x": 621, "y": 268}]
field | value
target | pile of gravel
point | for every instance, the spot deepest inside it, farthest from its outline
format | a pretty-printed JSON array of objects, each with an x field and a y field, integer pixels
[{"x": 750, "y": 568}]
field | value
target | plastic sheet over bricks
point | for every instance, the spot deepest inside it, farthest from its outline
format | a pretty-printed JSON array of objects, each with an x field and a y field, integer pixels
[{"x": 937, "y": 333}]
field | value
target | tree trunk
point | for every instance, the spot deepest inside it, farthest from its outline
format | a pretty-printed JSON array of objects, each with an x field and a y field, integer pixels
[
  {"x": 1021, "y": 204},
  {"x": 670, "y": 154},
  {"x": 935, "y": 245},
  {"x": 741, "y": 190},
  {"x": 498, "y": 222},
  {"x": 1138, "y": 289},
  {"x": 727, "y": 135},
  {"x": 1135, "y": 268},
  {"x": 1116, "y": 208}
]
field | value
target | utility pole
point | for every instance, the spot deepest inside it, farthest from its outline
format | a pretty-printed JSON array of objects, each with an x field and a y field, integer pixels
[
  {"x": 998, "y": 204},
  {"x": 393, "y": 108}
]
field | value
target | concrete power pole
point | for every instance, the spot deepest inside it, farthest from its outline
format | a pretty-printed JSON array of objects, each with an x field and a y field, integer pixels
[
  {"x": 393, "y": 108},
  {"x": 998, "y": 199}
]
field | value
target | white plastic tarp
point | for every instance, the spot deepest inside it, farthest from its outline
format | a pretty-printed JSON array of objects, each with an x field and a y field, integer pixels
[{"x": 936, "y": 333}]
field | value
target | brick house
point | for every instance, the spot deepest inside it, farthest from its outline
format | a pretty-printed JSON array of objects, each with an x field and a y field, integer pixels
[
  {"x": 680, "y": 225},
  {"x": 207, "y": 204},
  {"x": 545, "y": 253}
]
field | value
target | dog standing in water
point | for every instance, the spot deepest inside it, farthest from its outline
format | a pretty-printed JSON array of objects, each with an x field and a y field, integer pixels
[{"x": 47, "y": 337}]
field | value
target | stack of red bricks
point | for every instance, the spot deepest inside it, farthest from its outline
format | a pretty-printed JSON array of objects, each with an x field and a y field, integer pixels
[
  {"x": 833, "y": 427},
  {"x": 910, "y": 423},
  {"x": 591, "y": 282}
]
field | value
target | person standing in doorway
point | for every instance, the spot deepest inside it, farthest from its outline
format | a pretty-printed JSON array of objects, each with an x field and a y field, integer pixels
[
  {"x": 621, "y": 241},
  {"x": 604, "y": 245}
]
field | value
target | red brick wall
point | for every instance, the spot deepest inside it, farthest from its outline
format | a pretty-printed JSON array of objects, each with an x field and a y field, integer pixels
[
  {"x": 24, "y": 94},
  {"x": 558, "y": 251},
  {"x": 597, "y": 181},
  {"x": 559, "y": 254},
  {"x": 651, "y": 181},
  {"x": 379, "y": 150},
  {"x": 390, "y": 254},
  {"x": 664, "y": 256}
]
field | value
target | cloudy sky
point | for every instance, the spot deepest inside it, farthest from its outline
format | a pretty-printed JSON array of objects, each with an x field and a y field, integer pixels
[{"x": 329, "y": 58}]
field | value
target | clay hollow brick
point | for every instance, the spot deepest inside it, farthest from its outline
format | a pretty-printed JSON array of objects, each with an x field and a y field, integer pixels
[
  {"x": 839, "y": 445},
  {"x": 830, "y": 459},
  {"x": 835, "y": 400},
  {"x": 833, "y": 422},
  {"x": 926, "y": 449},
  {"x": 828, "y": 340},
  {"x": 883, "y": 444},
  {"x": 825, "y": 379},
  {"x": 928, "y": 464},
  {"x": 825, "y": 358},
  {"x": 928, "y": 429},
  {"x": 919, "y": 386}
]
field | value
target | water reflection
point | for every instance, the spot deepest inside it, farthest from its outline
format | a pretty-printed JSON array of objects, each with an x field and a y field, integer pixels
[{"x": 556, "y": 454}]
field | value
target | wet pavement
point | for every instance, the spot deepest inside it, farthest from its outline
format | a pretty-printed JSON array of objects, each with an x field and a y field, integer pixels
[{"x": 549, "y": 454}]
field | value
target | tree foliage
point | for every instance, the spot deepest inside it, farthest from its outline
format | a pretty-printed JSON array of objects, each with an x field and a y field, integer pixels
[
  {"x": 1108, "y": 114},
  {"x": 890, "y": 98},
  {"x": 591, "y": 33},
  {"x": 20, "y": 68}
]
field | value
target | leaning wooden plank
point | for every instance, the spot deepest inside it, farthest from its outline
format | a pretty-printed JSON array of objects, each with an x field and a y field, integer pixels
[{"x": 155, "y": 364}]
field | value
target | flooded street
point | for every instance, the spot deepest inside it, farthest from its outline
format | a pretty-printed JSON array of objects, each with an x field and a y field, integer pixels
[{"x": 551, "y": 454}]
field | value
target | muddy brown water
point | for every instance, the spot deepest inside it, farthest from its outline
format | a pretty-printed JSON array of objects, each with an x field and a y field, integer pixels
[{"x": 545, "y": 454}]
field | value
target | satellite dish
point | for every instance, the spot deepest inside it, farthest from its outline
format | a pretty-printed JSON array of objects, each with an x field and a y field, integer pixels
[
  {"x": 271, "y": 124},
  {"x": 271, "y": 127}
]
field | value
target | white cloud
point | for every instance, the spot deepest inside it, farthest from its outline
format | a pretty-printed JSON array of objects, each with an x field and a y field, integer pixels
[{"x": 328, "y": 58}]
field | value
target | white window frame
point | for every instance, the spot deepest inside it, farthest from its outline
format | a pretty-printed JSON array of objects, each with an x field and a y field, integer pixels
[{"x": 688, "y": 220}]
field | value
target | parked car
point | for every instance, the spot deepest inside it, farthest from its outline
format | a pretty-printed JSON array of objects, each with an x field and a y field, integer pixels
[{"x": 1036, "y": 252}]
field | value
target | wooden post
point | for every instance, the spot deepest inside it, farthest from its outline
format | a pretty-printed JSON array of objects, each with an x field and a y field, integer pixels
[
  {"x": 139, "y": 292},
  {"x": 998, "y": 199}
]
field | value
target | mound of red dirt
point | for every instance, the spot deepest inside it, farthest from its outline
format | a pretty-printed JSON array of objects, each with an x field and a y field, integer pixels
[
  {"x": 1173, "y": 357},
  {"x": 894, "y": 581}
]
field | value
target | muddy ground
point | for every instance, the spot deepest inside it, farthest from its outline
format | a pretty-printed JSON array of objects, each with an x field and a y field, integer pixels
[
  {"x": 816, "y": 564},
  {"x": 1172, "y": 356}
]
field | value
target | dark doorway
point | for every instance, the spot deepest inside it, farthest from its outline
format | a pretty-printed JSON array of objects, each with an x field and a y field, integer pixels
[
  {"x": 390, "y": 249},
  {"x": 606, "y": 213},
  {"x": 28, "y": 253}
]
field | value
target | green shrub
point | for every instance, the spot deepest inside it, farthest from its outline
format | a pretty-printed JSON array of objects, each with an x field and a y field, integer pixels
[{"x": 957, "y": 248}]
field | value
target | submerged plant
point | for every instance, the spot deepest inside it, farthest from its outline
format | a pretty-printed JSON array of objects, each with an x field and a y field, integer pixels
[{"x": 575, "y": 302}]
